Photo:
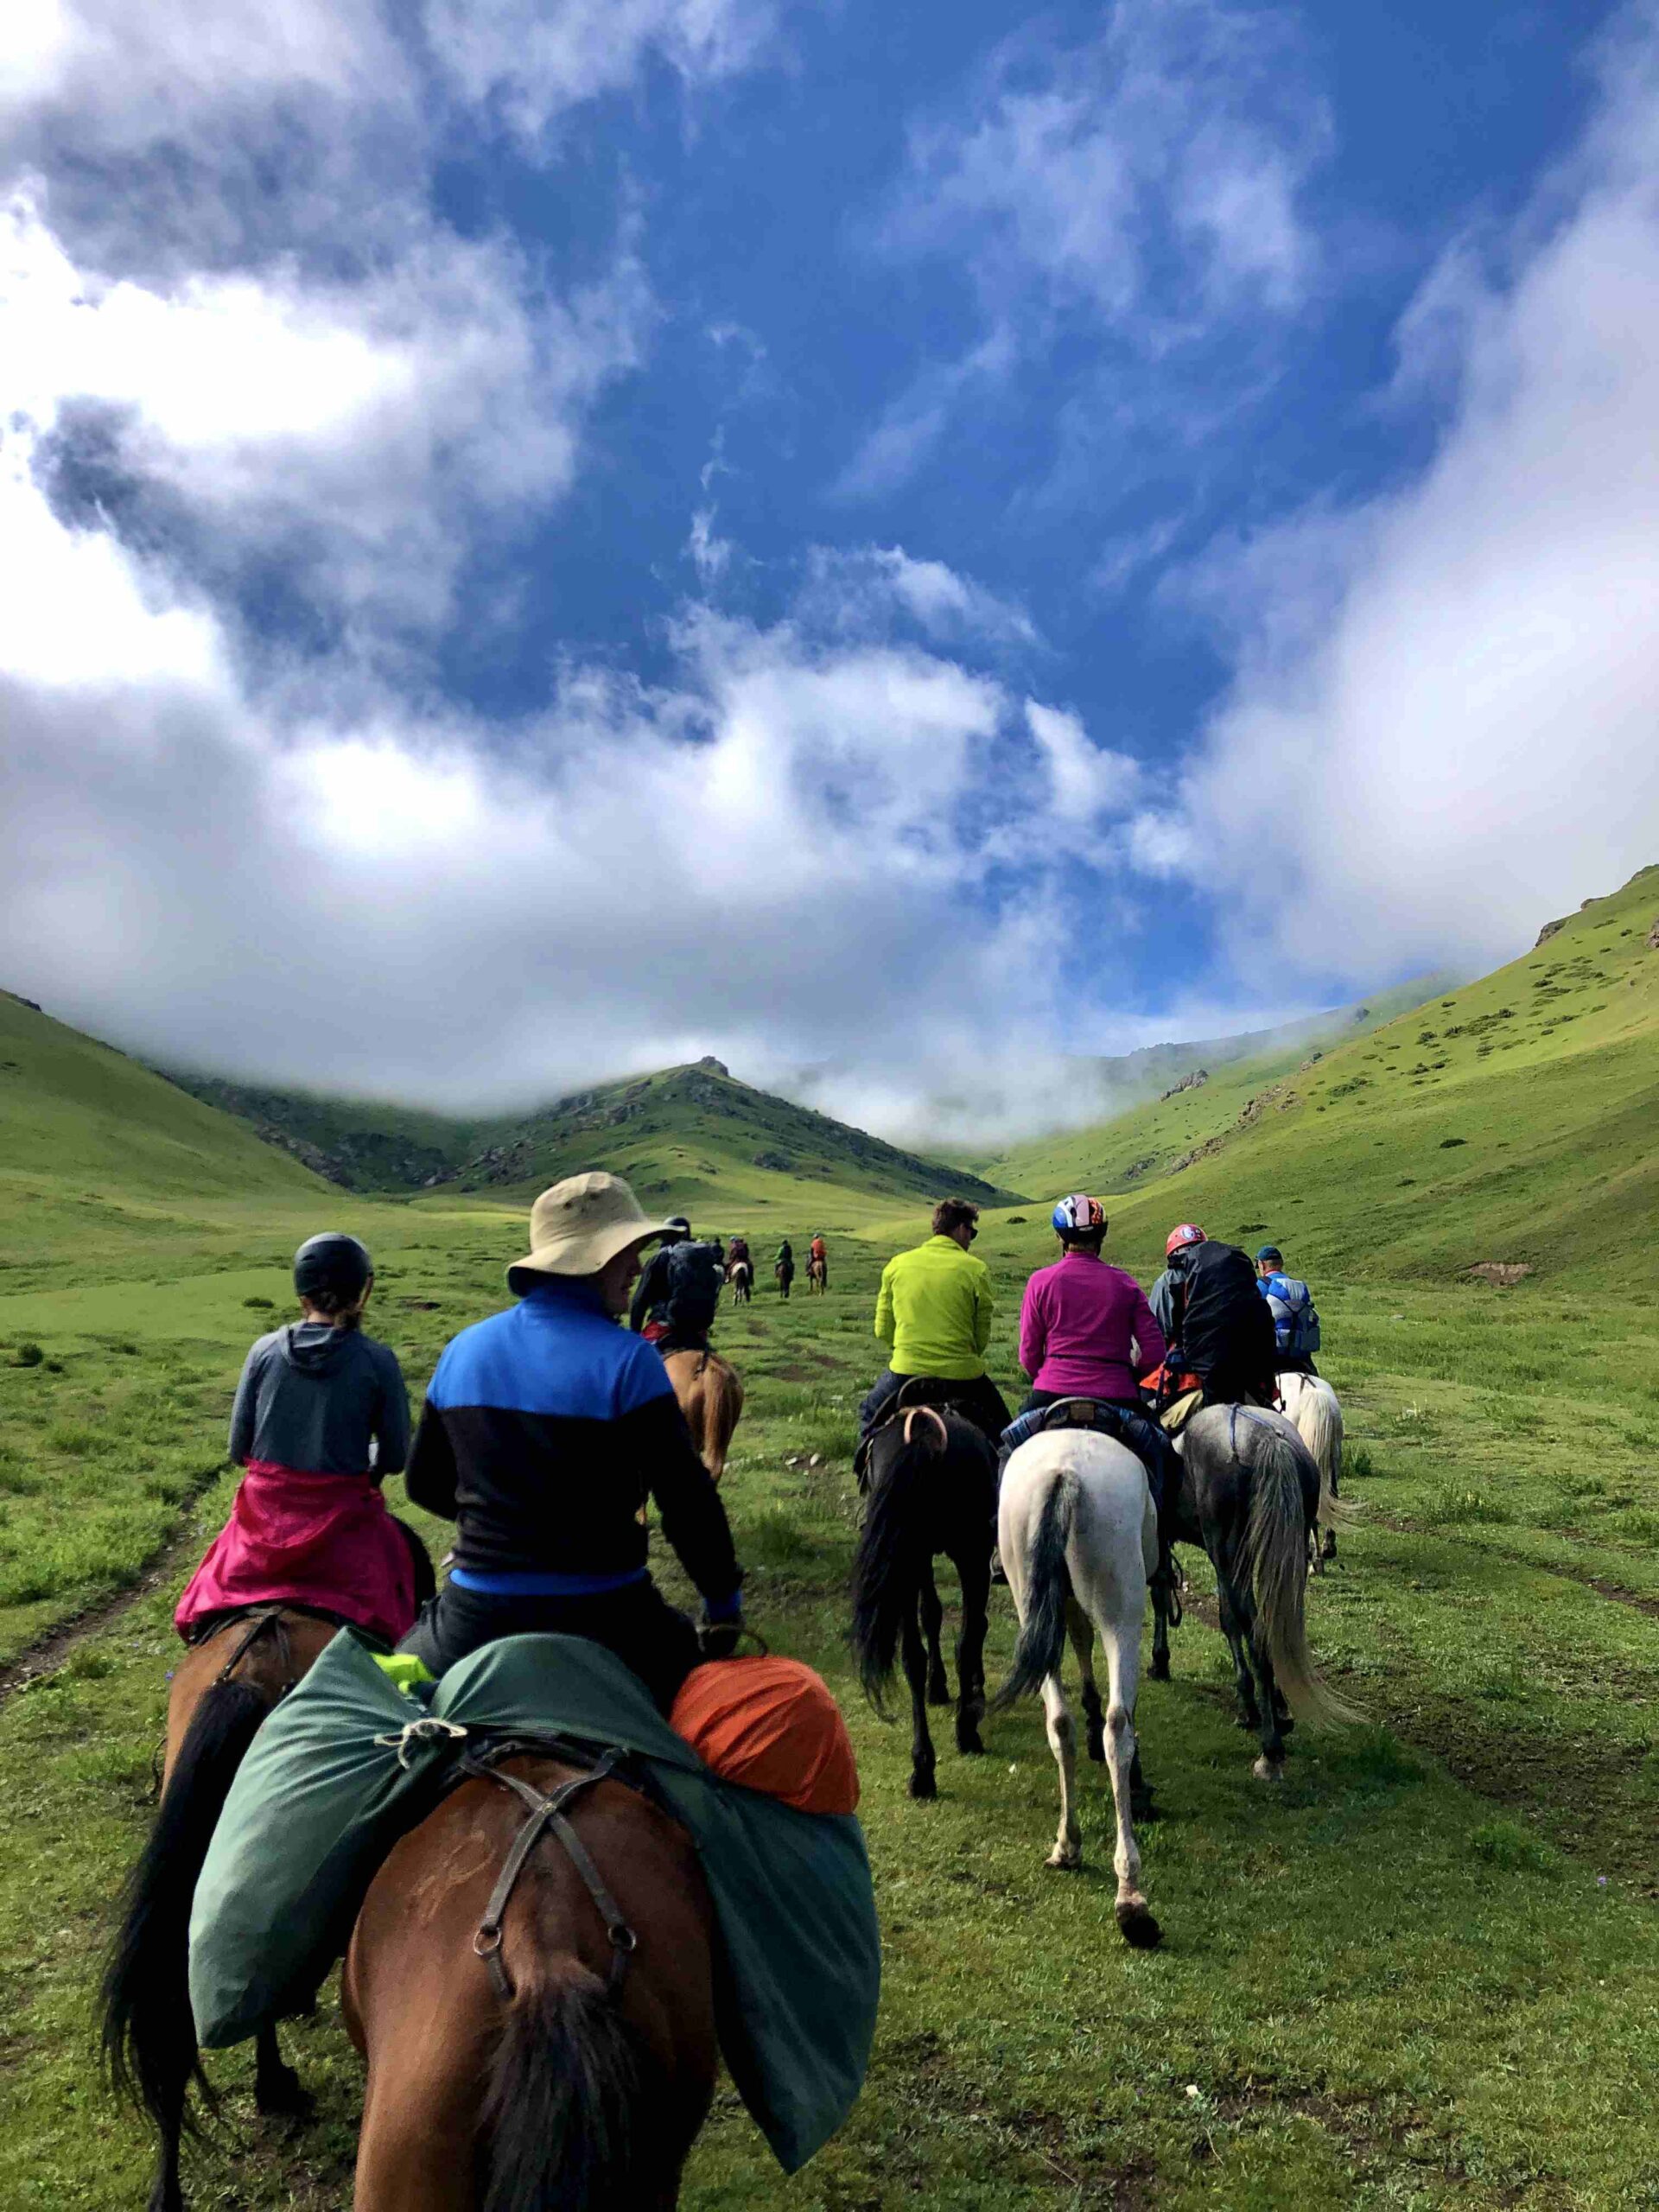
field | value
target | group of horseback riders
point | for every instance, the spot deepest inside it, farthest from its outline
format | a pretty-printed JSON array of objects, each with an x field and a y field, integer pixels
[
  {"x": 1216, "y": 1330},
  {"x": 547, "y": 1427},
  {"x": 679, "y": 1292}
]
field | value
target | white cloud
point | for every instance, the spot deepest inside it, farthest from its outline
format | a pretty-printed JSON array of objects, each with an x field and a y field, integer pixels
[
  {"x": 536, "y": 59},
  {"x": 1144, "y": 185},
  {"x": 1443, "y": 727},
  {"x": 861, "y": 590}
]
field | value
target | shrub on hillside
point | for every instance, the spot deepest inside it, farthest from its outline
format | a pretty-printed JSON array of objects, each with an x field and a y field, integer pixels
[
  {"x": 263, "y": 1304},
  {"x": 27, "y": 1355}
]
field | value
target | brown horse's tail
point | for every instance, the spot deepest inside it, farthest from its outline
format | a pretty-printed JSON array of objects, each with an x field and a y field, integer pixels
[
  {"x": 1276, "y": 1554},
  {"x": 149, "y": 2034},
  {"x": 575, "y": 2104}
]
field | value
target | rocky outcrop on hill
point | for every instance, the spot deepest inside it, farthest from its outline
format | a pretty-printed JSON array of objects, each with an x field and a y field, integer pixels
[
  {"x": 1550, "y": 930},
  {"x": 1198, "y": 1077},
  {"x": 1653, "y": 942}
]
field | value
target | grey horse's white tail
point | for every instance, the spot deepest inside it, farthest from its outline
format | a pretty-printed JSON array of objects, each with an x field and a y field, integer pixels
[
  {"x": 1275, "y": 1558},
  {"x": 1048, "y": 1585},
  {"x": 1314, "y": 1407}
]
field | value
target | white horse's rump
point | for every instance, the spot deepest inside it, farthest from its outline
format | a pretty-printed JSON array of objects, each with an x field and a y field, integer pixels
[
  {"x": 1315, "y": 1411},
  {"x": 1078, "y": 1536}
]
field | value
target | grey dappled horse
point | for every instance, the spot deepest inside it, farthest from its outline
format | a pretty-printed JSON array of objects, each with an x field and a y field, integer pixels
[{"x": 1249, "y": 1494}]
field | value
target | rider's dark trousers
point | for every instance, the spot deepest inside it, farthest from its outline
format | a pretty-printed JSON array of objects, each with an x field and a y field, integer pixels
[
  {"x": 637, "y": 1622},
  {"x": 979, "y": 1401}
]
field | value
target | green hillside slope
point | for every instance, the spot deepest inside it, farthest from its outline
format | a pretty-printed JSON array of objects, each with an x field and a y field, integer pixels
[
  {"x": 76, "y": 1112},
  {"x": 359, "y": 1144},
  {"x": 696, "y": 1133},
  {"x": 1512, "y": 1122}
]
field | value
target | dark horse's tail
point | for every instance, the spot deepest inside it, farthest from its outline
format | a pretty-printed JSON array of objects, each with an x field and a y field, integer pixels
[
  {"x": 1048, "y": 1585},
  {"x": 892, "y": 1556},
  {"x": 575, "y": 2105},
  {"x": 149, "y": 2039},
  {"x": 1275, "y": 1548}
]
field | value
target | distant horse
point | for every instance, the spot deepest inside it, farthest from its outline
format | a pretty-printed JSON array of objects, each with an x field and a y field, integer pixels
[
  {"x": 818, "y": 1276},
  {"x": 740, "y": 1276},
  {"x": 711, "y": 1397},
  {"x": 1249, "y": 1494},
  {"x": 784, "y": 1272},
  {"x": 1078, "y": 1536},
  {"x": 932, "y": 1480},
  {"x": 222, "y": 1689},
  {"x": 1316, "y": 1411},
  {"x": 538, "y": 2021}
]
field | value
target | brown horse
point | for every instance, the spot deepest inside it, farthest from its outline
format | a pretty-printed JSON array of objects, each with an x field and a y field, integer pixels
[
  {"x": 818, "y": 1276},
  {"x": 224, "y": 1686},
  {"x": 537, "y": 2011},
  {"x": 711, "y": 1398}
]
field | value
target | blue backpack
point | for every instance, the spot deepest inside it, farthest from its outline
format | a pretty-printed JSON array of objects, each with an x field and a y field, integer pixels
[{"x": 1295, "y": 1318}]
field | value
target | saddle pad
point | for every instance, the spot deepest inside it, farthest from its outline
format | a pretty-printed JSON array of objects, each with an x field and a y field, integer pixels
[{"x": 347, "y": 1762}]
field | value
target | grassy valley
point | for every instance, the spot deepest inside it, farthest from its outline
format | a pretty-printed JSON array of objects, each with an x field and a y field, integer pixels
[{"x": 1423, "y": 1973}]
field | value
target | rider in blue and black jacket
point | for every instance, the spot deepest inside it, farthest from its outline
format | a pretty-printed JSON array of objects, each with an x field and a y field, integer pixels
[{"x": 545, "y": 1430}]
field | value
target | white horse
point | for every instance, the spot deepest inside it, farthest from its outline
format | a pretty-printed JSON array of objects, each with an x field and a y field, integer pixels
[
  {"x": 1315, "y": 1411},
  {"x": 1078, "y": 1536}
]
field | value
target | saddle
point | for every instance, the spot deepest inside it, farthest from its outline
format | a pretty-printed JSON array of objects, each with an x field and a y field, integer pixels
[
  {"x": 1124, "y": 1426},
  {"x": 916, "y": 1390}
]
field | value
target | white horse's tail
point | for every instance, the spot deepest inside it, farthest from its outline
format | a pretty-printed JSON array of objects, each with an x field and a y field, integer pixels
[
  {"x": 1048, "y": 1585},
  {"x": 1275, "y": 1555},
  {"x": 1316, "y": 1411}
]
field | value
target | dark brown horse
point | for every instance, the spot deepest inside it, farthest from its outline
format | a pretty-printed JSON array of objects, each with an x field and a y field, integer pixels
[
  {"x": 551, "y": 2049},
  {"x": 710, "y": 1394},
  {"x": 224, "y": 1686}
]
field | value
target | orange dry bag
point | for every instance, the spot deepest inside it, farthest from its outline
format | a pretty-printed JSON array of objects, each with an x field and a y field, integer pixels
[{"x": 772, "y": 1724}]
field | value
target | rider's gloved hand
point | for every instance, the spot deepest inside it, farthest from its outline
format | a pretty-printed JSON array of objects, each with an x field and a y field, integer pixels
[{"x": 719, "y": 1627}]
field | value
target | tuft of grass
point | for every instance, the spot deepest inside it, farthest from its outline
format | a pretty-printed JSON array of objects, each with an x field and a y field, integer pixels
[
  {"x": 1507, "y": 1845},
  {"x": 27, "y": 1355}
]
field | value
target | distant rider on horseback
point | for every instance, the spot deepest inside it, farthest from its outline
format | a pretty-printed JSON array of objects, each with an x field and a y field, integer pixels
[
  {"x": 1295, "y": 1317},
  {"x": 678, "y": 1295},
  {"x": 546, "y": 1429},
  {"x": 784, "y": 1268},
  {"x": 934, "y": 1311},
  {"x": 1219, "y": 1329},
  {"x": 818, "y": 1261}
]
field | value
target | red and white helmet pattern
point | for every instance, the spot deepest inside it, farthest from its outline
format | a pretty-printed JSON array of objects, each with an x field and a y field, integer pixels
[
  {"x": 1186, "y": 1232},
  {"x": 1078, "y": 1212}
]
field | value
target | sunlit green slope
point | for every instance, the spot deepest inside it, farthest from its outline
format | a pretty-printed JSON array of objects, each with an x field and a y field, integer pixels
[{"x": 1513, "y": 1121}]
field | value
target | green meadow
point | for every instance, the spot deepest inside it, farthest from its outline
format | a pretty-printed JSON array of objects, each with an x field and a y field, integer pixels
[{"x": 1423, "y": 1972}]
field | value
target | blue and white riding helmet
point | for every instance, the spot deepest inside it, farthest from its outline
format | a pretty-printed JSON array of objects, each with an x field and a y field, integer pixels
[{"x": 1079, "y": 1216}]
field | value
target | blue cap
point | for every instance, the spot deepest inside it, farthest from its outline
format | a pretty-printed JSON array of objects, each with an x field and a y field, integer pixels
[{"x": 1269, "y": 1252}]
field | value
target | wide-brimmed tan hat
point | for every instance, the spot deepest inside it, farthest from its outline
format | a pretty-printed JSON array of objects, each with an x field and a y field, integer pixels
[{"x": 579, "y": 1227}]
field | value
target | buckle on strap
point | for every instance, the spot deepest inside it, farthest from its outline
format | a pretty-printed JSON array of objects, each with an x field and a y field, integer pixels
[{"x": 548, "y": 1814}]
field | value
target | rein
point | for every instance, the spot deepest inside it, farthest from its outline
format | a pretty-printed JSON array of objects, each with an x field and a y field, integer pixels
[
  {"x": 546, "y": 1815},
  {"x": 257, "y": 1624}
]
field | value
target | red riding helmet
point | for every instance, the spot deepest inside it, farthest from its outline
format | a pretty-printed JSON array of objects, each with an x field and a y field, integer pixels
[{"x": 1187, "y": 1232}]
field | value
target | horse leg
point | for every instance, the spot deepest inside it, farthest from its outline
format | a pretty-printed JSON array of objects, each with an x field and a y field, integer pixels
[
  {"x": 1275, "y": 1721},
  {"x": 922, "y": 1761},
  {"x": 938, "y": 1686},
  {"x": 1067, "y": 1854},
  {"x": 1159, "y": 1633},
  {"x": 974, "y": 1571},
  {"x": 1135, "y": 1919},
  {"x": 1235, "y": 1629},
  {"x": 1081, "y": 1631},
  {"x": 277, "y": 2090}
]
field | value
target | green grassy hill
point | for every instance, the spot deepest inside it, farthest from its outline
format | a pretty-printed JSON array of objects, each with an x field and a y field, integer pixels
[
  {"x": 1511, "y": 1122},
  {"x": 688, "y": 1134},
  {"x": 695, "y": 1135},
  {"x": 73, "y": 1109},
  {"x": 359, "y": 1144}
]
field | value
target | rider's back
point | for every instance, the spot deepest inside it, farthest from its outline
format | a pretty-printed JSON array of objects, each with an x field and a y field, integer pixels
[
  {"x": 1086, "y": 1327},
  {"x": 322, "y": 1401},
  {"x": 934, "y": 1308},
  {"x": 1225, "y": 1323}
]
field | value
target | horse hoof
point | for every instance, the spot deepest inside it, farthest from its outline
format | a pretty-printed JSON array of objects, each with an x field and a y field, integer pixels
[
  {"x": 1266, "y": 1770},
  {"x": 923, "y": 1786},
  {"x": 939, "y": 1693},
  {"x": 1065, "y": 1858},
  {"x": 1143, "y": 1809},
  {"x": 1159, "y": 1668},
  {"x": 1328, "y": 1544},
  {"x": 285, "y": 2097},
  {"x": 1138, "y": 1928},
  {"x": 970, "y": 1747}
]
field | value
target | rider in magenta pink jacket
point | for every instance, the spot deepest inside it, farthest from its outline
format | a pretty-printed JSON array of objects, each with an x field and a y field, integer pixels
[{"x": 1086, "y": 1329}]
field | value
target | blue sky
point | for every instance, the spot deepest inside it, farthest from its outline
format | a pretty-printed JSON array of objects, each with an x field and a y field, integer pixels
[{"x": 898, "y": 545}]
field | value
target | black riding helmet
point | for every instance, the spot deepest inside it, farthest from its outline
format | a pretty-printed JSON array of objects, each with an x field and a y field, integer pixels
[{"x": 333, "y": 1261}]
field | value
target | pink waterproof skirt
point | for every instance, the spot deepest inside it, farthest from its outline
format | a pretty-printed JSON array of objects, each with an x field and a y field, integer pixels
[{"x": 310, "y": 1540}]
